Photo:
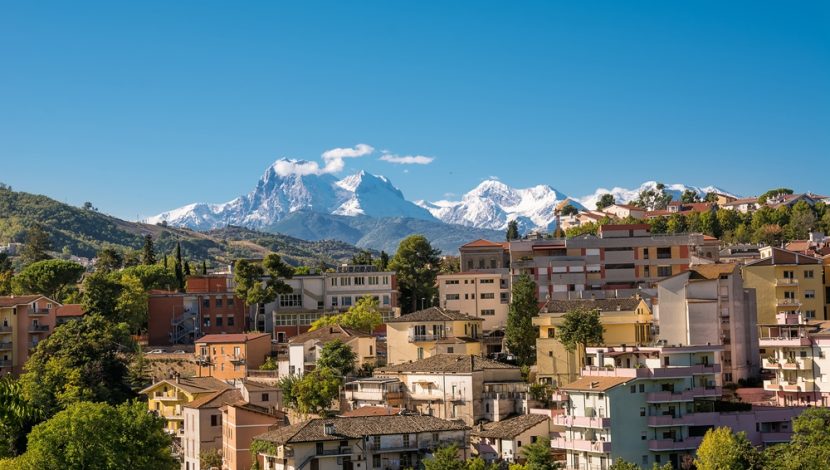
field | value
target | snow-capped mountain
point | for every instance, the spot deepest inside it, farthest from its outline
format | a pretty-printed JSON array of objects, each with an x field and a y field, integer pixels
[
  {"x": 623, "y": 195},
  {"x": 492, "y": 204},
  {"x": 277, "y": 196}
]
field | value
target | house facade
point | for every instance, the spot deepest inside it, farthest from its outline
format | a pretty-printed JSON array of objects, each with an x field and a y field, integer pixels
[
  {"x": 435, "y": 330},
  {"x": 231, "y": 356},
  {"x": 786, "y": 281},
  {"x": 25, "y": 321},
  {"x": 304, "y": 350},
  {"x": 502, "y": 441}
]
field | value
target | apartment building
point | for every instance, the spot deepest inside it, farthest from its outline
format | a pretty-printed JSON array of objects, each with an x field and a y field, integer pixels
[
  {"x": 317, "y": 295},
  {"x": 208, "y": 306},
  {"x": 241, "y": 422},
  {"x": 626, "y": 321},
  {"x": 797, "y": 353},
  {"x": 374, "y": 392},
  {"x": 478, "y": 293},
  {"x": 616, "y": 262},
  {"x": 25, "y": 321},
  {"x": 503, "y": 440},
  {"x": 786, "y": 281},
  {"x": 359, "y": 443},
  {"x": 231, "y": 356},
  {"x": 484, "y": 254},
  {"x": 653, "y": 405},
  {"x": 459, "y": 386},
  {"x": 708, "y": 305},
  {"x": 304, "y": 350},
  {"x": 623, "y": 211},
  {"x": 435, "y": 330},
  {"x": 168, "y": 397}
]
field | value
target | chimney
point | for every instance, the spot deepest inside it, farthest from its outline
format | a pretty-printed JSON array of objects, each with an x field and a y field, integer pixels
[
  {"x": 177, "y": 377},
  {"x": 328, "y": 429}
]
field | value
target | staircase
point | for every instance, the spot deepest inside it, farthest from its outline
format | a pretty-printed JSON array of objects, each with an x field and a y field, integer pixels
[{"x": 182, "y": 326}]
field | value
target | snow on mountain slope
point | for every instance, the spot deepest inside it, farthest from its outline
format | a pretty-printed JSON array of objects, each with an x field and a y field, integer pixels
[{"x": 623, "y": 195}]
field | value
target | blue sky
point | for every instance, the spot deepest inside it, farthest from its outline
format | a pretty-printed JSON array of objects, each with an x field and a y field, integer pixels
[{"x": 145, "y": 106}]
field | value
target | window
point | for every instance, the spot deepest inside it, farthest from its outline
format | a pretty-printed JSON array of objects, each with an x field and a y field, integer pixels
[
  {"x": 346, "y": 301},
  {"x": 809, "y": 294},
  {"x": 642, "y": 388},
  {"x": 345, "y": 281},
  {"x": 663, "y": 271},
  {"x": 488, "y": 295},
  {"x": 230, "y": 321},
  {"x": 287, "y": 319},
  {"x": 216, "y": 420},
  {"x": 291, "y": 300},
  {"x": 620, "y": 266},
  {"x": 420, "y": 353},
  {"x": 206, "y": 302},
  {"x": 645, "y": 460},
  {"x": 450, "y": 350},
  {"x": 373, "y": 280},
  {"x": 504, "y": 297},
  {"x": 218, "y": 321},
  {"x": 406, "y": 440},
  {"x": 450, "y": 282},
  {"x": 452, "y": 296},
  {"x": 533, "y": 439},
  {"x": 319, "y": 448},
  {"x": 230, "y": 301},
  {"x": 645, "y": 253},
  {"x": 206, "y": 322},
  {"x": 487, "y": 281},
  {"x": 646, "y": 271},
  {"x": 334, "y": 282},
  {"x": 633, "y": 389},
  {"x": 518, "y": 443},
  {"x": 488, "y": 312},
  {"x": 385, "y": 300},
  {"x": 642, "y": 411},
  {"x": 218, "y": 302},
  {"x": 376, "y": 461},
  {"x": 664, "y": 252},
  {"x": 371, "y": 352},
  {"x": 643, "y": 436},
  {"x": 265, "y": 397},
  {"x": 334, "y": 301},
  {"x": 808, "y": 274},
  {"x": 810, "y": 314},
  {"x": 359, "y": 281}
]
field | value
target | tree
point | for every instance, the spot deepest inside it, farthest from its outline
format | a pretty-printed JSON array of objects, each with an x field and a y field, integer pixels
[
  {"x": 316, "y": 390},
  {"x": 109, "y": 260},
  {"x": 51, "y": 278},
  {"x": 581, "y": 328},
  {"x": 178, "y": 266},
  {"x": 100, "y": 294},
  {"x": 520, "y": 334},
  {"x": 100, "y": 436},
  {"x": 445, "y": 458},
  {"x": 538, "y": 455},
  {"x": 604, "y": 201},
  {"x": 569, "y": 210},
  {"x": 477, "y": 463},
  {"x": 721, "y": 449},
  {"x": 450, "y": 265},
  {"x": 6, "y": 274},
  {"x": 416, "y": 263},
  {"x": 187, "y": 271},
  {"x": 204, "y": 268},
  {"x": 337, "y": 356},
  {"x": 689, "y": 196},
  {"x": 762, "y": 199},
  {"x": 711, "y": 196},
  {"x": 151, "y": 276},
  {"x": 512, "y": 230},
  {"x": 84, "y": 360},
  {"x": 210, "y": 459},
  {"x": 36, "y": 245},
  {"x": 654, "y": 199},
  {"x": 621, "y": 464},
  {"x": 131, "y": 306},
  {"x": 363, "y": 316},
  {"x": 676, "y": 224},
  {"x": 287, "y": 385},
  {"x": 809, "y": 446},
  {"x": 363, "y": 257},
  {"x": 16, "y": 417},
  {"x": 148, "y": 253},
  {"x": 658, "y": 224},
  {"x": 801, "y": 222},
  {"x": 383, "y": 261},
  {"x": 262, "y": 283}
]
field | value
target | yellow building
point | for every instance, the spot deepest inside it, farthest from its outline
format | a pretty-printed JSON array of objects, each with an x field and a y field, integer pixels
[
  {"x": 786, "y": 281},
  {"x": 167, "y": 397},
  {"x": 625, "y": 321},
  {"x": 435, "y": 330}
]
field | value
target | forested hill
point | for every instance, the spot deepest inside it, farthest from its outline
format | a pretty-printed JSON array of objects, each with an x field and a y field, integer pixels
[{"x": 84, "y": 231}]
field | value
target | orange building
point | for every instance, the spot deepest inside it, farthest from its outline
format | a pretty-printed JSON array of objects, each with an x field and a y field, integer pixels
[
  {"x": 25, "y": 321},
  {"x": 230, "y": 356},
  {"x": 241, "y": 421}
]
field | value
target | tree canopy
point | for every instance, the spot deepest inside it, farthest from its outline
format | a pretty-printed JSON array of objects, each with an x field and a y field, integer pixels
[
  {"x": 605, "y": 201},
  {"x": 258, "y": 283},
  {"x": 520, "y": 334},
  {"x": 721, "y": 449},
  {"x": 338, "y": 356},
  {"x": 416, "y": 263},
  {"x": 581, "y": 328},
  {"x": 363, "y": 316},
  {"x": 512, "y": 230},
  {"x": 52, "y": 278}
]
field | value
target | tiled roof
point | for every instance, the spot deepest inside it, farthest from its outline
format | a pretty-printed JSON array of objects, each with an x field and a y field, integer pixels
[
  {"x": 511, "y": 427},
  {"x": 433, "y": 314},
  {"x": 595, "y": 384},
  {"x": 606, "y": 305},
  {"x": 482, "y": 243},
  {"x": 329, "y": 333},
  {"x": 15, "y": 300},
  {"x": 372, "y": 411},
  {"x": 231, "y": 338},
  {"x": 782, "y": 256},
  {"x": 216, "y": 399},
  {"x": 743, "y": 200},
  {"x": 711, "y": 271},
  {"x": 193, "y": 384},
  {"x": 357, "y": 428},
  {"x": 447, "y": 363},
  {"x": 630, "y": 207},
  {"x": 69, "y": 310}
]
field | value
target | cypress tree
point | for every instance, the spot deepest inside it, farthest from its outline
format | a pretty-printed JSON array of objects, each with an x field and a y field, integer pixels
[
  {"x": 178, "y": 267},
  {"x": 148, "y": 257},
  {"x": 204, "y": 268},
  {"x": 520, "y": 334},
  {"x": 187, "y": 268}
]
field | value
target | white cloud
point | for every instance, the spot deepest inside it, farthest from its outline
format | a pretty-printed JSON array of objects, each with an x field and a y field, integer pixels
[
  {"x": 407, "y": 159},
  {"x": 332, "y": 159}
]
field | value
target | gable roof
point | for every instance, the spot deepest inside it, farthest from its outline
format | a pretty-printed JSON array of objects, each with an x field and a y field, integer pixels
[
  {"x": 605, "y": 305},
  {"x": 482, "y": 243},
  {"x": 782, "y": 256},
  {"x": 511, "y": 427},
  {"x": 357, "y": 428},
  {"x": 372, "y": 411},
  {"x": 329, "y": 333},
  {"x": 596, "y": 384},
  {"x": 433, "y": 314},
  {"x": 217, "y": 399},
  {"x": 192, "y": 384},
  {"x": 70, "y": 310},
  {"x": 711, "y": 271},
  {"x": 231, "y": 338},
  {"x": 447, "y": 363},
  {"x": 15, "y": 300}
]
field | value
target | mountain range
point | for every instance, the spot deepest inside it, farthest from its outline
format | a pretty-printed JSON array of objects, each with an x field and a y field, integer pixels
[{"x": 369, "y": 211}]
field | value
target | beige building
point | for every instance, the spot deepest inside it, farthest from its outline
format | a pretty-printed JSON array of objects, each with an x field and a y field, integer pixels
[
  {"x": 167, "y": 398},
  {"x": 359, "y": 443},
  {"x": 785, "y": 281},
  {"x": 708, "y": 305},
  {"x": 373, "y": 391},
  {"x": 503, "y": 440},
  {"x": 231, "y": 356},
  {"x": 459, "y": 386},
  {"x": 477, "y": 293},
  {"x": 304, "y": 350},
  {"x": 622, "y": 211},
  {"x": 435, "y": 330},
  {"x": 484, "y": 254},
  {"x": 626, "y": 321}
]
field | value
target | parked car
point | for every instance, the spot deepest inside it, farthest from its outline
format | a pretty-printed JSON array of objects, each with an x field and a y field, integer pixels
[{"x": 156, "y": 351}]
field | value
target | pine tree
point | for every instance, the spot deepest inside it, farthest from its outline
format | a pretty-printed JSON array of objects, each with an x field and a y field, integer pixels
[
  {"x": 520, "y": 334},
  {"x": 148, "y": 257},
  {"x": 512, "y": 230},
  {"x": 36, "y": 245}
]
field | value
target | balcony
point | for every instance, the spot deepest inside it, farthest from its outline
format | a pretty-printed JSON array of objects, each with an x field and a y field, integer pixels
[
  {"x": 38, "y": 311},
  {"x": 340, "y": 451},
  {"x": 786, "y": 282},
  {"x": 394, "y": 446},
  {"x": 38, "y": 328},
  {"x": 160, "y": 396},
  {"x": 801, "y": 363},
  {"x": 691, "y": 419},
  {"x": 775, "y": 437},
  {"x": 599, "y": 447},
  {"x": 4, "y": 364},
  {"x": 784, "y": 342},
  {"x": 690, "y": 443},
  {"x": 786, "y": 302},
  {"x": 685, "y": 395},
  {"x": 659, "y": 373},
  {"x": 787, "y": 386},
  {"x": 5, "y": 329},
  {"x": 5, "y": 346},
  {"x": 582, "y": 422},
  {"x": 424, "y": 338},
  {"x": 237, "y": 359}
]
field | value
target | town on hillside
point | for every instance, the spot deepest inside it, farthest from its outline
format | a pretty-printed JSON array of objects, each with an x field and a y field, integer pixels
[{"x": 661, "y": 334}]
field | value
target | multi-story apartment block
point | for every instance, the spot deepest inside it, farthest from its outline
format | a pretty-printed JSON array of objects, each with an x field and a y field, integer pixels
[
  {"x": 241, "y": 422},
  {"x": 359, "y": 443},
  {"x": 168, "y": 397},
  {"x": 615, "y": 263},
  {"x": 230, "y": 357},
  {"x": 785, "y": 281},
  {"x": 503, "y": 440},
  {"x": 653, "y": 405},
  {"x": 318, "y": 295},
  {"x": 478, "y": 293},
  {"x": 208, "y": 306},
  {"x": 626, "y": 321},
  {"x": 798, "y": 354},
  {"x": 424, "y": 333},
  {"x": 25, "y": 321},
  {"x": 483, "y": 255},
  {"x": 459, "y": 386},
  {"x": 374, "y": 392},
  {"x": 708, "y": 305},
  {"x": 304, "y": 350}
]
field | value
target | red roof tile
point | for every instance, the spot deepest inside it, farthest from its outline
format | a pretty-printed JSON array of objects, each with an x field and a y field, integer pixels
[
  {"x": 70, "y": 310},
  {"x": 231, "y": 338}
]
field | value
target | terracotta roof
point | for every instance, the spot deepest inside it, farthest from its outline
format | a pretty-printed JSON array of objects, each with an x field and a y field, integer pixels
[
  {"x": 606, "y": 305},
  {"x": 329, "y": 333},
  {"x": 372, "y": 411},
  {"x": 482, "y": 243},
  {"x": 70, "y": 310},
  {"x": 216, "y": 399},
  {"x": 447, "y": 363},
  {"x": 193, "y": 384},
  {"x": 612, "y": 227},
  {"x": 511, "y": 427},
  {"x": 711, "y": 271},
  {"x": 15, "y": 300},
  {"x": 743, "y": 200},
  {"x": 782, "y": 256},
  {"x": 231, "y": 338},
  {"x": 358, "y": 428},
  {"x": 433, "y": 314},
  {"x": 596, "y": 384}
]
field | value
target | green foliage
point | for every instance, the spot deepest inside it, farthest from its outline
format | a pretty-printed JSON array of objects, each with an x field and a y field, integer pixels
[
  {"x": 538, "y": 455},
  {"x": 363, "y": 316},
  {"x": 621, "y": 464},
  {"x": 450, "y": 265},
  {"x": 99, "y": 436},
  {"x": 151, "y": 276},
  {"x": 317, "y": 389},
  {"x": 569, "y": 210},
  {"x": 109, "y": 259},
  {"x": 605, "y": 200},
  {"x": 721, "y": 449},
  {"x": 512, "y": 230},
  {"x": 382, "y": 263},
  {"x": 148, "y": 251},
  {"x": 363, "y": 257},
  {"x": 520, "y": 334},
  {"x": 338, "y": 356},
  {"x": 178, "y": 267},
  {"x": 52, "y": 278},
  {"x": 658, "y": 224},
  {"x": 477, "y": 463},
  {"x": 581, "y": 328},
  {"x": 84, "y": 360},
  {"x": 100, "y": 294},
  {"x": 262, "y": 283},
  {"x": 210, "y": 458},
  {"x": 269, "y": 364},
  {"x": 16, "y": 418},
  {"x": 809, "y": 447},
  {"x": 762, "y": 199},
  {"x": 416, "y": 263},
  {"x": 37, "y": 244},
  {"x": 288, "y": 388},
  {"x": 445, "y": 458},
  {"x": 654, "y": 199},
  {"x": 689, "y": 196}
]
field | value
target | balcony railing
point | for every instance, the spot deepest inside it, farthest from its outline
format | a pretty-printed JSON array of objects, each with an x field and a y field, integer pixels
[
  {"x": 38, "y": 311},
  {"x": 5, "y": 329},
  {"x": 338, "y": 451},
  {"x": 161, "y": 396},
  {"x": 5, "y": 346},
  {"x": 582, "y": 422},
  {"x": 797, "y": 364},
  {"x": 787, "y": 386},
  {"x": 657, "y": 445},
  {"x": 784, "y": 341},
  {"x": 691, "y": 419},
  {"x": 38, "y": 328},
  {"x": 787, "y": 302},
  {"x": 657, "y": 372},
  {"x": 786, "y": 281},
  {"x": 5, "y": 363},
  {"x": 422, "y": 338},
  {"x": 601, "y": 447}
]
